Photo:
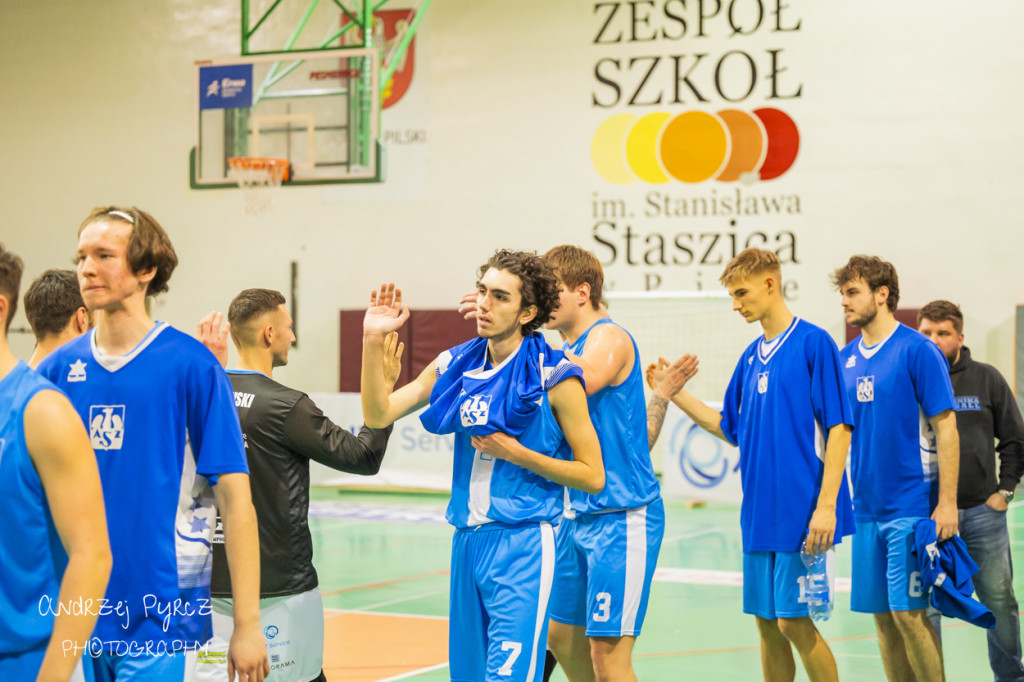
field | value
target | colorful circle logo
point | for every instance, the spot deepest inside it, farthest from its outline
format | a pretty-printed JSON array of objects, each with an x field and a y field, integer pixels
[
  {"x": 702, "y": 459},
  {"x": 695, "y": 146}
]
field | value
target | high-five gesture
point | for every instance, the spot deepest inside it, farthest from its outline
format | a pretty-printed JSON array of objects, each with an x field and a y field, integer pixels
[{"x": 386, "y": 312}]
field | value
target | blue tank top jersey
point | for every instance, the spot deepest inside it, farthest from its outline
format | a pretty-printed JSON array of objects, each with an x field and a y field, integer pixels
[
  {"x": 895, "y": 386},
  {"x": 782, "y": 399},
  {"x": 471, "y": 399},
  {"x": 619, "y": 414},
  {"x": 163, "y": 424},
  {"x": 32, "y": 559}
]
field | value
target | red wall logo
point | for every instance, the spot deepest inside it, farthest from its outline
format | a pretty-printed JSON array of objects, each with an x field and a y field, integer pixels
[
  {"x": 695, "y": 146},
  {"x": 387, "y": 25}
]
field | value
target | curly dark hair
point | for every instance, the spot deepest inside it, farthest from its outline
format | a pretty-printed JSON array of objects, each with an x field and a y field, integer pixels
[
  {"x": 875, "y": 272},
  {"x": 538, "y": 285}
]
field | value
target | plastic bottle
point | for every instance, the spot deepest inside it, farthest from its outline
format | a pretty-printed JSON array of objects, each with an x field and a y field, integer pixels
[{"x": 819, "y": 602}]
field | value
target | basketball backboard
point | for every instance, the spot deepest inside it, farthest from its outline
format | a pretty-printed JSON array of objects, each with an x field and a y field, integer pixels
[{"x": 319, "y": 110}]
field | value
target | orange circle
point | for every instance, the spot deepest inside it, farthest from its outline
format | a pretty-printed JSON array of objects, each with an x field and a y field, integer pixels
[
  {"x": 694, "y": 146},
  {"x": 749, "y": 144}
]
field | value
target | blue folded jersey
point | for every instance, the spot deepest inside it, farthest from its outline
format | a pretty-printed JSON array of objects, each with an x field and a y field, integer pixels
[{"x": 947, "y": 568}]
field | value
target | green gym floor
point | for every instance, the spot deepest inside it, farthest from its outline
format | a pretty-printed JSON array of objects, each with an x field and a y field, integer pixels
[{"x": 383, "y": 561}]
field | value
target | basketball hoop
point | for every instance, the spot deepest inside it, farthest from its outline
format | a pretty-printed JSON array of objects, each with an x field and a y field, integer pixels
[{"x": 259, "y": 178}]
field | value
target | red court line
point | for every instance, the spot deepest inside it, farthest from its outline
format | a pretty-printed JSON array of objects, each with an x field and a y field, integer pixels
[{"x": 371, "y": 586}]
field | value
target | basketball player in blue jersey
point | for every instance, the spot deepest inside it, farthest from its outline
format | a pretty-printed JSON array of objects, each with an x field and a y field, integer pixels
[
  {"x": 904, "y": 462},
  {"x": 608, "y": 543},
  {"x": 787, "y": 411},
  {"x": 54, "y": 552},
  {"x": 519, "y": 414},
  {"x": 162, "y": 422}
]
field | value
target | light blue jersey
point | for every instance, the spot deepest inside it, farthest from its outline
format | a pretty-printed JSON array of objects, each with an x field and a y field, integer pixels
[
  {"x": 470, "y": 399},
  {"x": 619, "y": 414},
  {"x": 32, "y": 559},
  {"x": 782, "y": 399},
  {"x": 895, "y": 386},
  {"x": 163, "y": 424}
]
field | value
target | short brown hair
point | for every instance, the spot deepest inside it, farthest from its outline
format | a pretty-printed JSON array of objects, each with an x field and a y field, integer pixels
[
  {"x": 575, "y": 266},
  {"x": 750, "y": 262},
  {"x": 51, "y": 301},
  {"x": 246, "y": 307},
  {"x": 875, "y": 272},
  {"x": 538, "y": 284},
  {"x": 11, "y": 268},
  {"x": 940, "y": 311},
  {"x": 148, "y": 247}
]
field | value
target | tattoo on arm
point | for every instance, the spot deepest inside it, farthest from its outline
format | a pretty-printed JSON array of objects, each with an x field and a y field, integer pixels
[{"x": 656, "y": 409}]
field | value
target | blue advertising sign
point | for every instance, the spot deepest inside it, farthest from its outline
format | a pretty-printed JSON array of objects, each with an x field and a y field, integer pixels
[{"x": 225, "y": 87}]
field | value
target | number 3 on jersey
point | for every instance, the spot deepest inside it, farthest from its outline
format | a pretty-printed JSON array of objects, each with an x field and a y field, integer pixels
[{"x": 604, "y": 607}]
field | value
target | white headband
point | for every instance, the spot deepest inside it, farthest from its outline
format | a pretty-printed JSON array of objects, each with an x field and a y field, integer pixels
[{"x": 122, "y": 214}]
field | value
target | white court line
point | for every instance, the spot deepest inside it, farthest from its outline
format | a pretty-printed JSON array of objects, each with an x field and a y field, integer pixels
[
  {"x": 414, "y": 673},
  {"x": 690, "y": 536},
  {"x": 330, "y": 613},
  {"x": 697, "y": 576},
  {"x": 398, "y": 601}
]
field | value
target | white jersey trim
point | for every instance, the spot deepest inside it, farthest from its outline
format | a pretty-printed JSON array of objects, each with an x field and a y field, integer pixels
[
  {"x": 767, "y": 349},
  {"x": 870, "y": 351},
  {"x": 480, "y": 489},
  {"x": 112, "y": 363}
]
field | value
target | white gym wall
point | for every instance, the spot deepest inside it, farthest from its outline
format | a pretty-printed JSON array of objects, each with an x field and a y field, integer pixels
[{"x": 911, "y": 148}]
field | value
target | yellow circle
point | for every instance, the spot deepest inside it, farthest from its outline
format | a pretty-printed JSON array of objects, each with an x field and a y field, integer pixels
[
  {"x": 642, "y": 148},
  {"x": 608, "y": 149}
]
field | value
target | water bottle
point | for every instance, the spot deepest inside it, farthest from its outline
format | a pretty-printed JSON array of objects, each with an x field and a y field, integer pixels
[{"x": 819, "y": 602}]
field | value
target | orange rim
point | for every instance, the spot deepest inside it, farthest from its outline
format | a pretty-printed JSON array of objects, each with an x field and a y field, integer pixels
[{"x": 261, "y": 163}]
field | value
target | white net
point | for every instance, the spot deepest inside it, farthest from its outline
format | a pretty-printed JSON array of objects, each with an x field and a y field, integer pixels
[
  {"x": 672, "y": 323},
  {"x": 259, "y": 180}
]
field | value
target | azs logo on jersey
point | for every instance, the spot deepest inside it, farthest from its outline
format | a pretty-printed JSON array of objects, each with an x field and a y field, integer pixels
[
  {"x": 866, "y": 389},
  {"x": 762, "y": 382},
  {"x": 474, "y": 410},
  {"x": 106, "y": 426}
]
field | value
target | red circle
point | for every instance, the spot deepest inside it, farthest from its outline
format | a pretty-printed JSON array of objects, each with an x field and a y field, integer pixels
[{"x": 783, "y": 142}]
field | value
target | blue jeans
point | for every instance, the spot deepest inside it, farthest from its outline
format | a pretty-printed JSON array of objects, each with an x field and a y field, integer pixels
[{"x": 983, "y": 530}]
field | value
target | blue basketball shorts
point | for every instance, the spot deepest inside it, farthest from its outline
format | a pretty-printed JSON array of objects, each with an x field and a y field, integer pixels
[
  {"x": 604, "y": 569},
  {"x": 773, "y": 584},
  {"x": 500, "y": 592},
  {"x": 111, "y": 667},
  {"x": 25, "y": 665},
  {"x": 886, "y": 576}
]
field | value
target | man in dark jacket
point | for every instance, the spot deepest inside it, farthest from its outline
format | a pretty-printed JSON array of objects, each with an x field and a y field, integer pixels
[
  {"x": 283, "y": 430},
  {"x": 986, "y": 412}
]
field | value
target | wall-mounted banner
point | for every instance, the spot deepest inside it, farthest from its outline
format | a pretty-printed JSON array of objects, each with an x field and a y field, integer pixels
[
  {"x": 697, "y": 465},
  {"x": 696, "y": 140}
]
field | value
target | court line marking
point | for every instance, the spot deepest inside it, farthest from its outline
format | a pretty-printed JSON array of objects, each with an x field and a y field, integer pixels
[
  {"x": 689, "y": 536},
  {"x": 358, "y": 612},
  {"x": 414, "y": 673},
  {"x": 400, "y": 600},
  {"x": 371, "y": 586},
  {"x": 707, "y": 576}
]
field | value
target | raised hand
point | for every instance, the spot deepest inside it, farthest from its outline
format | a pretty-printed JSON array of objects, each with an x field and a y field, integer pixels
[
  {"x": 392, "y": 359},
  {"x": 210, "y": 334},
  {"x": 386, "y": 312}
]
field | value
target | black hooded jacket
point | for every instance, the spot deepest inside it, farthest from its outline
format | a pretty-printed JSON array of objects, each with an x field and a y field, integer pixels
[{"x": 986, "y": 412}]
